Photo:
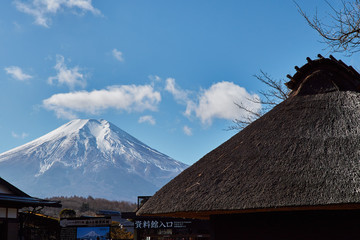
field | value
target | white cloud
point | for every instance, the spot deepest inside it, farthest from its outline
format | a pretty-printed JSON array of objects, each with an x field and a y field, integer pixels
[
  {"x": 117, "y": 55},
  {"x": 125, "y": 97},
  {"x": 42, "y": 10},
  {"x": 22, "y": 135},
  {"x": 219, "y": 102},
  {"x": 71, "y": 77},
  {"x": 187, "y": 130},
  {"x": 147, "y": 118},
  {"x": 16, "y": 73},
  {"x": 216, "y": 102}
]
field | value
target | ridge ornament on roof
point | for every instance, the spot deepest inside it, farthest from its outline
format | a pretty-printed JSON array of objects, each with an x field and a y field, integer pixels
[{"x": 330, "y": 74}]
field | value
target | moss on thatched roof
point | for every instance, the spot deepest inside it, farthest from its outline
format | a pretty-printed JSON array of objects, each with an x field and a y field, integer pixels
[{"x": 303, "y": 154}]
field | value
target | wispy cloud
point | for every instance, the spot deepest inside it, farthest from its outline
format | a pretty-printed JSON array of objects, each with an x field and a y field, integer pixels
[
  {"x": 16, "y": 73},
  {"x": 154, "y": 78},
  {"x": 187, "y": 130},
  {"x": 22, "y": 135},
  {"x": 43, "y": 10},
  {"x": 68, "y": 76},
  {"x": 117, "y": 55},
  {"x": 17, "y": 27},
  {"x": 147, "y": 118},
  {"x": 124, "y": 98},
  {"x": 179, "y": 94}
]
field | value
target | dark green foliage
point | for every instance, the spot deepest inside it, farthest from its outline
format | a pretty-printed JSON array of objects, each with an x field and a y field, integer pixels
[
  {"x": 119, "y": 232},
  {"x": 84, "y": 207},
  {"x": 67, "y": 213}
]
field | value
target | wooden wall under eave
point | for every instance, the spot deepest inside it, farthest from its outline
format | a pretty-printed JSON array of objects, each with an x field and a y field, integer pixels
[{"x": 319, "y": 225}]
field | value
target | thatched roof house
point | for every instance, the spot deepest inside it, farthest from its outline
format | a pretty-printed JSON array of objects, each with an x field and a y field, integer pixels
[
  {"x": 302, "y": 155},
  {"x": 11, "y": 196},
  {"x": 11, "y": 200}
]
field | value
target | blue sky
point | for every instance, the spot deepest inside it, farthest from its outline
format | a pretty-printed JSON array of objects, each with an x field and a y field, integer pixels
[{"x": 165, "y": 71}]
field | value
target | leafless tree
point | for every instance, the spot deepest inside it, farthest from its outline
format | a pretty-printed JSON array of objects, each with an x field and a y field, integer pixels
[
  {"x": 342, "y": 32},
  {"x": 276, "y": 92}
]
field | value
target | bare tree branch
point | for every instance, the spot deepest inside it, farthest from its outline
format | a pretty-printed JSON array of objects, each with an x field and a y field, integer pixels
[
  {"x": 342, "y": 34},
  {"x": 276, "y": 93}
]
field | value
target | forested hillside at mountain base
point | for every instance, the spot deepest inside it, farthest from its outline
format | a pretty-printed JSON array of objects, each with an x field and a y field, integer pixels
[{"x": 87, "y": 206}]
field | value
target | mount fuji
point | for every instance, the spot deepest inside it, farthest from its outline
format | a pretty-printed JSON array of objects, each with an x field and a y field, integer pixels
[{"x": 88, "y": 157}]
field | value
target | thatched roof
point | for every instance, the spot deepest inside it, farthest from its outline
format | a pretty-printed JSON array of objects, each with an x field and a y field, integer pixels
[{"x": 303, "y": 154}]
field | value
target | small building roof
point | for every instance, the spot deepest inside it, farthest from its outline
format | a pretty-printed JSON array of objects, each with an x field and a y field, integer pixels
[
  {"x": 303, "y": 154},
  {"x": 11, "y": 196}
]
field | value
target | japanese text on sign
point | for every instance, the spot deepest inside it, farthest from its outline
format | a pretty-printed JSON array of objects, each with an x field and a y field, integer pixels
[{"x": 155, "y": 224}]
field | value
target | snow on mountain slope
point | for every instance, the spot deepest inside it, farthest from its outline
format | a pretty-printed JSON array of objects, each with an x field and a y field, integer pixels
[{"x": 88, "y": 157}]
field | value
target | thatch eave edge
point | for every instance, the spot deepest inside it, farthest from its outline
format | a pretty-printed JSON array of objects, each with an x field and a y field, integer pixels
[{"x": 206, "y": 214}]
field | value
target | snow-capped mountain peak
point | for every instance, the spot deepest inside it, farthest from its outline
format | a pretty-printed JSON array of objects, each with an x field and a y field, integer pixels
[{"x": 90, "y": 148}]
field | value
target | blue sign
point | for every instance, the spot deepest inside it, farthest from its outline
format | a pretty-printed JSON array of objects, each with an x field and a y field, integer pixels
[{"x": 93, "y": 233}]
